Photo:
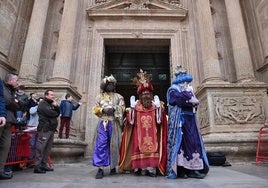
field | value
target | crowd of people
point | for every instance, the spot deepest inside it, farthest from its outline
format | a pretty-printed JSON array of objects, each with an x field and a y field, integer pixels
[
  {"x": 18, "y": 112},
  {"x": 143, "y": 139}
]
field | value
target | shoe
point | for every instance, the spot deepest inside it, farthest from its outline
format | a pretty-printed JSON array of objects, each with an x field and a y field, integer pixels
[
  {"x": 99, "y": 174},
  {"x": 151, "y": 174},
  {"x": 113, "y": 171},
  {"x": 137, "y": 172},
  {"x": 47, "y": 169},
  {"x": 10, "y": 172},
  {"x": 39, "y": 171},
  {"x": 182, "y": 175},
  {"x": 5, "y": 176},
  {"x": 196, "y": 174}
]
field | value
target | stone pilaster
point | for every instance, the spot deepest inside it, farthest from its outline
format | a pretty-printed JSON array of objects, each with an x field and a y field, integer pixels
[
  {"x": 242, "y": 59},
  {"x": 33, "y": 45},
  {"x": 211, "y": 66},
  {"x": 63, "y": 61}
]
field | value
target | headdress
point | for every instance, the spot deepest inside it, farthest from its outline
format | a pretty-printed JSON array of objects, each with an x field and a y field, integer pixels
[
  {"x": 109, "y": 79},
  {"x": 106, "y": 80},
  {"x": 143, "y": 82},
  {"x": 181, "y": 76}
]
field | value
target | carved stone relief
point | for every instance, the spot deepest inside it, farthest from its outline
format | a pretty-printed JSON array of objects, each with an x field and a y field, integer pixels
[
  {"x": 238, "y": 110},
  {"x": 203, "y": 114},
  {"x": 140, "y": 2}
]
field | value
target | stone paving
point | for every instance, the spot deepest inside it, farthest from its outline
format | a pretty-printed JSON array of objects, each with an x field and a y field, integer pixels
[{"x": 82, "y": 175}]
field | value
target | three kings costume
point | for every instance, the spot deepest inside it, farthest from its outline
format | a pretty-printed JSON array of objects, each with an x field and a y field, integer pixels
[
  {"x": 144, "y": 139},
  {"x": 185, "y": 144},
  {"x": 108, "y": 132}
]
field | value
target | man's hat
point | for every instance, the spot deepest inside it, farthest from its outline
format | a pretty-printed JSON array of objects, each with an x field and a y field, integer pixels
[
  {"x": 107, "y": 79},
  {"x": 143, "y": 82},
  {"x": 110, "y": 78},
  {"x": 181, "y": 76}
]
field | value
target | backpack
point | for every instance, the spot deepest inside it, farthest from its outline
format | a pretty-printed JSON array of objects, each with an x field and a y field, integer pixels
[{"x": 216, "y": 158}]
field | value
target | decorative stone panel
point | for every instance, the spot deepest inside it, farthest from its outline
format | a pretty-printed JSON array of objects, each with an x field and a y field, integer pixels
[{"x": 238, "y": 109}]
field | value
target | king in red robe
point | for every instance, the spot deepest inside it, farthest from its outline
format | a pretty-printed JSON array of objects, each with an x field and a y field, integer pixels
[{"x": 144, "y": 140}]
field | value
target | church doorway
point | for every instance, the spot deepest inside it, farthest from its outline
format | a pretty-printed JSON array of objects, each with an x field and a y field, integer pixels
[{"x": 125, "y": 57}]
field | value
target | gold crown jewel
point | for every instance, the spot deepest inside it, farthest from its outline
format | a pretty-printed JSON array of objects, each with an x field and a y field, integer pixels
[
  {"x": 143, "y": 77},
  {"x": 142, "y": 81}
]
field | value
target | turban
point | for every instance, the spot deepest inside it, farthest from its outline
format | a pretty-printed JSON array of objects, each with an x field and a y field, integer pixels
[{"x": 181, "y": 76}]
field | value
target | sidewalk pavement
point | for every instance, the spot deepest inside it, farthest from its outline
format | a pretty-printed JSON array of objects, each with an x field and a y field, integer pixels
[{"x": 82, "y": 175}]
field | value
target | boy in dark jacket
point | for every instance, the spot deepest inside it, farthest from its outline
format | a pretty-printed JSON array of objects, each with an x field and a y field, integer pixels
[{"x": 66, "y": 110}]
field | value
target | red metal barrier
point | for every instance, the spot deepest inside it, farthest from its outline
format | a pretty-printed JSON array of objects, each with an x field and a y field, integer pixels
[
  {"x": 22, "y": 150},
  {"x": 262, "y": 148}
]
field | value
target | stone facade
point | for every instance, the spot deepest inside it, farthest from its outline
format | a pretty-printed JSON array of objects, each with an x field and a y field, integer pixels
[{"x": 223, "y": 43}]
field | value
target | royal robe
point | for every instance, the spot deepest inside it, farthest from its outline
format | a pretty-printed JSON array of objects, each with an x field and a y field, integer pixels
[
  {"x": 108, "y": 131},
  {"x": 144, "y": 139},
  {"x": 185, "y": 144}
]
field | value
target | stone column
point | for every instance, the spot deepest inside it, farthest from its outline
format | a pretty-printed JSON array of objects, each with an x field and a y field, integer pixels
[
  {"x": 211, "y": 64},
  {"x": 63, "y": 61},
  {"x": 242, "y": 59},
  {"x": 33, "y": 44}
]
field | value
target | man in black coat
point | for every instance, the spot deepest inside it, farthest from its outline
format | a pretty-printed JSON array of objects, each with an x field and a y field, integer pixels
[
  {"x": 48, "y": 111},
  {"x": 12, "y": 105}
]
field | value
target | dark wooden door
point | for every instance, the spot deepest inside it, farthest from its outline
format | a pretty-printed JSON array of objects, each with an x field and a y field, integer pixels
[{"x": 124, "y": 62}]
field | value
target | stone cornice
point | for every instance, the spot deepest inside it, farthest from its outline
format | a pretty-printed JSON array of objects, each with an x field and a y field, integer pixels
[
  {"x": 150, "y": 8},
  {"x": 227, "y": 85},
  {"x": 55, "y": 86}
]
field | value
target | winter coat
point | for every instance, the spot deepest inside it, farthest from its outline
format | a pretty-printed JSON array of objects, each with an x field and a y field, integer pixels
[
  {"x": 47, "y": 115},
  {"x": 11, "y": 105}
]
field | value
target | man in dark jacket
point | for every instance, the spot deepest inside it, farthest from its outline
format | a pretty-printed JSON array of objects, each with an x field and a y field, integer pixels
[
  {"x": 48, "y": 111},
  {"x": 11, "y": 105}
]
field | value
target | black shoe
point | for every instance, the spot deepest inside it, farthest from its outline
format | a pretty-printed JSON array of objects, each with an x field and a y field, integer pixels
[
  {"x": 182, "y": 175},
  {"x": 113, "y": 171},
  {"x": 137, "y": 172},
  {"x": 47, "y": 169},
  {"x": 39, "y": 171},
  {"x": 5, "y": 176},
  {"x": 196, "y": 174},
  {"x": 99, "y": 174},
  {"x": 151, "y": 174}
]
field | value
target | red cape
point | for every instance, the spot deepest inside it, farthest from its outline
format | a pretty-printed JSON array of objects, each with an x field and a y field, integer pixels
[{"x": 126, "y": 145}]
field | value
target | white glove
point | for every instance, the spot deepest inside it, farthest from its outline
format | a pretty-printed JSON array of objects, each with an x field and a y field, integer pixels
[
  {"x": 156, "y": 101},
  {"x": 194, "y": 101},
  {"x": 133, "y": 102}
]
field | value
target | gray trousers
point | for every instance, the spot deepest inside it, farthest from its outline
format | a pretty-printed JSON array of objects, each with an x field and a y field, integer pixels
[
  {"x": 43, "y": 148},
  {"x": 5, "y": 143}
]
